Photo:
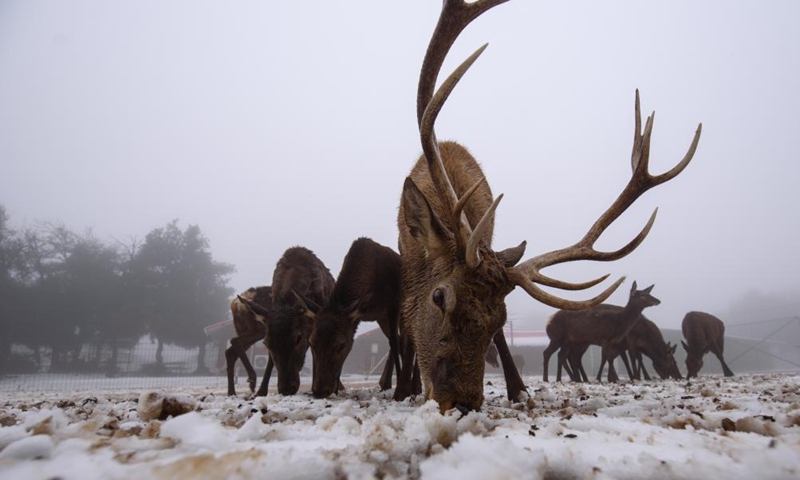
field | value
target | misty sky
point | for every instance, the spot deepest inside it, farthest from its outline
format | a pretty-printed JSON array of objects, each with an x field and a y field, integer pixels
[{"x": 273, "y": 124}]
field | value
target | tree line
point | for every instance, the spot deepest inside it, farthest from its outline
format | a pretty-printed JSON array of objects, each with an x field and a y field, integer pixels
[{"x": 61, "y": 291}]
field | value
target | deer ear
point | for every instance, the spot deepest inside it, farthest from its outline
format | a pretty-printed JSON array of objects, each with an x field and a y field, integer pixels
[
  {"x": 650, "y": 288},
  {"x": 510, "y": 256},
  {"x": 354, "y": 309},
  {"x": 421, "y": 221},
  {"x": 685, "y": 347},
  {"x": 672, "y": 350},
  {"x": 633, "y": 287},
  {"x": 301, "y": 304}
]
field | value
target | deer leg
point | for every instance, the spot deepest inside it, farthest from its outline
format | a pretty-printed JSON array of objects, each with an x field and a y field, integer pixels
[
  {"x": 386, "y": 376},
  {"x": 602, "y": 366},
  {"x": 242, "y": 346},
  {"x": 548, "y": 352},
  {"x": 264, "y": 388},
  {"x": 725, "y": 370},
  {"x": 514, "y": 384},
  {"x": 627, "y": 364},
  {"x": 642, "y": 369},
  {"x": 405, "y": 387},
  {"x": 230, "y": 363},
  {"x": 609, "y": 357},
  {"x": 562, "y": 362},
  {"x": 717, "y": 348}
]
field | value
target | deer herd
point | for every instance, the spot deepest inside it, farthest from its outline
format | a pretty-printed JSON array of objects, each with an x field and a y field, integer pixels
[{"x": 441, "y": 300}]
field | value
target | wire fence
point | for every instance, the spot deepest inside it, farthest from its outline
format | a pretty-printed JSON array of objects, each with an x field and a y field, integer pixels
[{"x": 115, "y": 364}]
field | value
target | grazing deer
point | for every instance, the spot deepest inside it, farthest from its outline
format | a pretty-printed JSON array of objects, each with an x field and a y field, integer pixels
[
  {"x": 644, "y": 338},
  {"x": 367, "y": 288},
  {"x": 249, "y": 330},
  {"x": 604, "y": 325},
  {"x": 298, "y": 274},
  {"x": 705, "y": 333},
  {"x": 454, "y": 282}
]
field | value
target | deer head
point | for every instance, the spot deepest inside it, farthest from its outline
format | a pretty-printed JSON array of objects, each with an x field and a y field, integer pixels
[
  {"x": 454, "y": 282},
  {"x": 694, "y": 360},
  {"x": 331, "y": 341}
]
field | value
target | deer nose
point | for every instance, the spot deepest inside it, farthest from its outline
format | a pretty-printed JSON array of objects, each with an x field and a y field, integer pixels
[{"x": 462, "y": 408}]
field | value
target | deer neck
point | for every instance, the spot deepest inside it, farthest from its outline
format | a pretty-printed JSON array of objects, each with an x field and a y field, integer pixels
[{"x": 628, "y": 317}]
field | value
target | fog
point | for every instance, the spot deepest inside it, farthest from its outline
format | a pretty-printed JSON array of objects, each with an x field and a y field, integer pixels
[{"x": 273, "y": 124}]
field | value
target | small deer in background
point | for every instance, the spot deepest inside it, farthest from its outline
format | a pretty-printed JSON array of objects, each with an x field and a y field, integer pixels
[
  {"x": 367, "y": 288},
  {"x": 604, "y": 325},
  {"x": 454, "y": 281},
  {"x": 704, "y": 333},
  {"x": 249, "y": 330},
  {"x": 644, "y": 338},
  {"x": 298, "y": 273}
]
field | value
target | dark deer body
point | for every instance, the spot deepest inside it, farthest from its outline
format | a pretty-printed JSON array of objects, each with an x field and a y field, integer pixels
[
  {"x": 298, "y": 273},
  {"x": 704, "y": 333},
  {"x": 644, "y": 338},
  {"x": 249, "y": 330},
  {"x": 604, "y": 325},
  {"x": 367, "y": 288},
  {"x": 454, "y": 282}
]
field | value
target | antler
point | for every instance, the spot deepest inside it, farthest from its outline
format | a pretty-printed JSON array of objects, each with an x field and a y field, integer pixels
[
  {"x": 528, "y": 273},
  {"x": 455, "y": 16}
]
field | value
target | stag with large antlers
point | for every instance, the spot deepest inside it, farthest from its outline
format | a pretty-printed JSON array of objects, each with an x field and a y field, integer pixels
[{"x": 454, "y": 282}]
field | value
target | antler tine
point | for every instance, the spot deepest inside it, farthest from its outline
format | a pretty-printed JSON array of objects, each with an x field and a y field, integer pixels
[
  {"x": 534, "y": 291},
  {"x": 455, "y": 16},
  {"x": 640, "y": 182},
  {"x": 472, "y": 256},
  {"x": 430, "y": 146}
]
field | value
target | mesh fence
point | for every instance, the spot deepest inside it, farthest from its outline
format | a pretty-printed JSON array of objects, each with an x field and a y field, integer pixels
[{"x": 116, "y": 364}]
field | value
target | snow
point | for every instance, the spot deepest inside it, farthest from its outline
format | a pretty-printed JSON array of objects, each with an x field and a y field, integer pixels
[{"x": 743, "y": 427}]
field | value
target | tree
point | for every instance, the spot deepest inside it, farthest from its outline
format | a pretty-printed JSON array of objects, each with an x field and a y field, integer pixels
[
  {"x": 10, "y": 285},
  {"x": 184, "y": 289}
]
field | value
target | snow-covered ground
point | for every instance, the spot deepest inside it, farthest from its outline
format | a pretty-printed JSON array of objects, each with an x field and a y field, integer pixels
[{"x": 744, "y": 427}]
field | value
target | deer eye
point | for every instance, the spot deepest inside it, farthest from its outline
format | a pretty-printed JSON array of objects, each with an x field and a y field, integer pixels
[
  {"x": 340, "y": 347},
  {"x": 438, "y": 298}
]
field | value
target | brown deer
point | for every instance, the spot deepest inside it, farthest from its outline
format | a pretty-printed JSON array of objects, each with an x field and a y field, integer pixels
[
  {"x": 644, "y": 338},
  {"x": 604, "y": 325},
  {"x": 367, "y": 288},
  {"x": 454, "y": 282},
  {"x": 249, "y": 330},
  {"x": 299, "y": 273},
  {"x": 704, "y": 333}
]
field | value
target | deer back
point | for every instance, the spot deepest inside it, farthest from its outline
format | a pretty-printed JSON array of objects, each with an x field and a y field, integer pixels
[
  {"x": 298, "y": 272},
  {"x": 368, "y": 286}
]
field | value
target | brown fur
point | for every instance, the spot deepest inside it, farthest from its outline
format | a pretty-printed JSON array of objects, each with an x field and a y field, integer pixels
[
  {"x": 603, "y": 325},
  {"x": 248, "y": 331},
  {"x": 451, "y": 342},
  {"x": 704, "y": 333},
  {"x": 644, "y": 338},
  {"x": 368, "y": 288},
  {"x": 287, "y": 328}
]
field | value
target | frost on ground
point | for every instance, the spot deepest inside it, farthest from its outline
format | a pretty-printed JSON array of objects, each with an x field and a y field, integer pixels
[{"x": 743, "y": 427}]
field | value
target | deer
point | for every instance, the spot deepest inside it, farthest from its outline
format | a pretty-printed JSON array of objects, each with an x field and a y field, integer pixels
[
  {"x": 604, "y": 325},
  {"x": 298, "y": 275},
  {"x": 644, "y": 338},
  {"x": 367, "y": 288},
  {"x": 249, "y": 329},
  {"x": 454, "y": 282},
  {"x": 704, "y": 333}
]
